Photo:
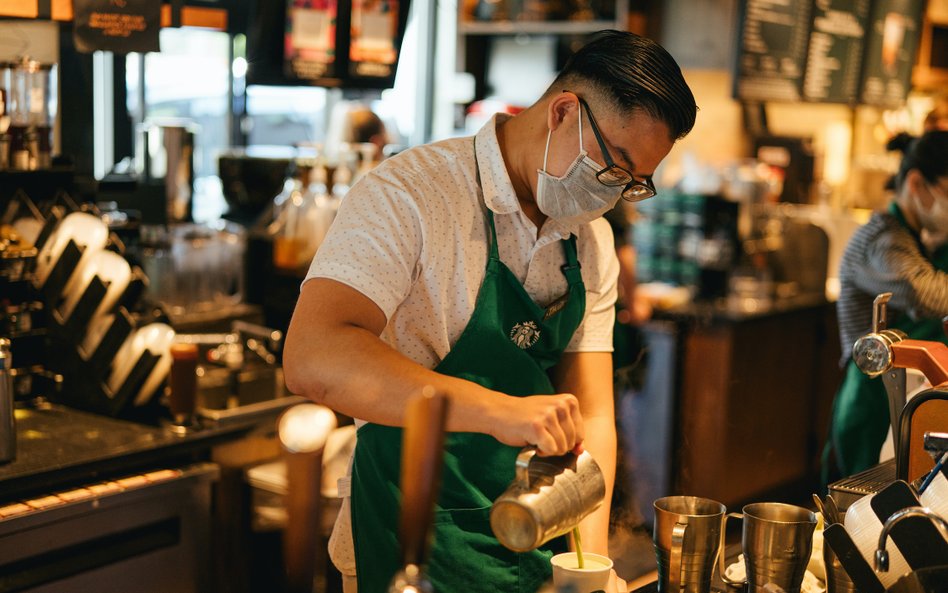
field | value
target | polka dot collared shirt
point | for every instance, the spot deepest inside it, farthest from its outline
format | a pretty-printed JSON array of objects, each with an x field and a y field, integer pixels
[{"x": 412, "y": 236}]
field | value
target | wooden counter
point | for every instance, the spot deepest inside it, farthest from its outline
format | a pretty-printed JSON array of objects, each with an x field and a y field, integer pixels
[{"x": 754, "y": 395}]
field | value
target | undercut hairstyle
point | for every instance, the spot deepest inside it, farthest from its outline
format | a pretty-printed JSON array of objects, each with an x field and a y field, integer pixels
[
  {"x": 928, "y": 154},
  {"x": 635, "y": 73}
]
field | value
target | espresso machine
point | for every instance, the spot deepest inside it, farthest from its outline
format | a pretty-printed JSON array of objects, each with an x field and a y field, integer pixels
[
  {"x": 887, "y": 516},
  {"x": 888, "y": 353}
]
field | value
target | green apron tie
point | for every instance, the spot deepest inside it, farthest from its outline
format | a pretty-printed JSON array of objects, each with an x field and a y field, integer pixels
[{"x": 508, "y": 345}]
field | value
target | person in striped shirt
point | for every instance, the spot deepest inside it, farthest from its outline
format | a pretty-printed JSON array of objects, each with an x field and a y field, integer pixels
[{"x": 889, "y": 255}]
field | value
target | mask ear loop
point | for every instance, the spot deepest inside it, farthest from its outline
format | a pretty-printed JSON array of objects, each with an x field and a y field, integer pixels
[
  {"x": 579, "y": 106},
  {"x": 546, "y": 152},
  {"x": 549, "y": 136}
]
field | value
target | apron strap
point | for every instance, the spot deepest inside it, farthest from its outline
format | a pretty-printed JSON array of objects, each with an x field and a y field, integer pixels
[
  {"x": 494, "y": 251},
  {"x": 571, "y": 269}
]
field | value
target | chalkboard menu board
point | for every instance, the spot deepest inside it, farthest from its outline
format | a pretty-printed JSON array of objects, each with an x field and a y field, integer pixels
[
  {"x": 773, "y": 49},
  {"x": 891, "y": 41},
  {"x": 834, "y": 60}
]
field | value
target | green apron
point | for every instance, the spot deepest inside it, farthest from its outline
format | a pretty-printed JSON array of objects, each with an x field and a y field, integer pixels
[
  {"x": 508, "y": 345},
  {"x": 860, "y": 420}
]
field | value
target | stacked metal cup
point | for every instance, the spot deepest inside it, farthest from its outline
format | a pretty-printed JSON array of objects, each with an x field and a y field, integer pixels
[{"x": 687, "y": 538}]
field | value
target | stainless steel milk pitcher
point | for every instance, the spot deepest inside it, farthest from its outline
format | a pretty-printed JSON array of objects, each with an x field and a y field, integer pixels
[
  {"x": 548, "y": 497},
  {"x": 686, "y": 534},
  {"x": 777, "y": 542}
]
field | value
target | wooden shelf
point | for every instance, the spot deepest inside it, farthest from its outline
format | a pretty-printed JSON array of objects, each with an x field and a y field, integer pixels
[{"x": 533, "y": 27}]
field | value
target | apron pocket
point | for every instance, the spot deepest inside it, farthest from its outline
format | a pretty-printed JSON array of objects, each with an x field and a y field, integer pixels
[{"x": 467, "y": 557}]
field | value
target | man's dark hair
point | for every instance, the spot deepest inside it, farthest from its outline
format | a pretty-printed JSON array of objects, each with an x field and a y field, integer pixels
[
  {"x": 928, "y": 154},
  {"x": 636, "y": 73}
]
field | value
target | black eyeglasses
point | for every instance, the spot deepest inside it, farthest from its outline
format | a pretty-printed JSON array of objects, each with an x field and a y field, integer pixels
[{"x": 613, "y": 175}]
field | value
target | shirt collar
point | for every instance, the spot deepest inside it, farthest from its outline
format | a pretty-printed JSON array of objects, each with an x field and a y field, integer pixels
[{"x": 499, "y": 194}]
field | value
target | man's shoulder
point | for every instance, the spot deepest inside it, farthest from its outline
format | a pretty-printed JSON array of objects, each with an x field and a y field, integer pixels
[
  {"x": 430, "y": 183},
  {"x": 429, "y": 161}
]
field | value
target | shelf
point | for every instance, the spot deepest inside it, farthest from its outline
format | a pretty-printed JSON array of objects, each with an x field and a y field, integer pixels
[{"x": 533, "y": 27}]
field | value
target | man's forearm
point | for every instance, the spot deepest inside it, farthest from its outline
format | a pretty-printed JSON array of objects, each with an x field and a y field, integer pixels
[{"x": 353, "y": 372}]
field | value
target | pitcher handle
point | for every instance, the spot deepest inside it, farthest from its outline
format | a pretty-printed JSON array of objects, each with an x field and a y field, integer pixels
[
  {"x": 674, "y": 561},
  {"x": 722, "y": 561},
  {"x": 523, "y": 466}
]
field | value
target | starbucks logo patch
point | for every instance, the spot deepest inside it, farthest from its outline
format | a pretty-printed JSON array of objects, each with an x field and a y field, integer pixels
[{"x": 525, "y": 334}]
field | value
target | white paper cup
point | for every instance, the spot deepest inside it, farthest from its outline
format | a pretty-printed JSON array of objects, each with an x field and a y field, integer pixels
[{"x": 594, "y": 576}]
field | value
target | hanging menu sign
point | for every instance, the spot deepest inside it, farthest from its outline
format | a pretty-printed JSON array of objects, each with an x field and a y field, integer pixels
[
  {"x": 834, "y": 60},
  {"x": 120, "y": 27},
  {"x": 773, "y": 48},
  {"x": 310, "y": 38},
  {"x": 891, "y": 42},
  {"x": 374, "y": 31}
]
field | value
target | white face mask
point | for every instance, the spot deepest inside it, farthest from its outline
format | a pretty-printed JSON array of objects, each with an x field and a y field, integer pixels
[
  {"x": 577, "y": 197},
  {"x": 935, "y": 219}
]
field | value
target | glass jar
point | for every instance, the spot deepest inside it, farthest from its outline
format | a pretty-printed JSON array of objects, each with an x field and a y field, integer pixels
[
  {"x": 5, "y": 68},
  {"x": 32, "y": 105}
]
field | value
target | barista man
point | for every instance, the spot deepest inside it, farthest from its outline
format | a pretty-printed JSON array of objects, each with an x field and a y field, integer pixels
[{"x": 481, "y": 266}]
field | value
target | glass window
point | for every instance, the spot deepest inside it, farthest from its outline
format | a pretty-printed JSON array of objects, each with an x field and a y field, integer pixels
[
  {"x": 189, "y": 79},
  {"x": 285, "y": 116}
]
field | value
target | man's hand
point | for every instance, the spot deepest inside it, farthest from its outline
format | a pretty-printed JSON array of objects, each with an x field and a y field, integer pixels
[{"x": 551, "y": 422}]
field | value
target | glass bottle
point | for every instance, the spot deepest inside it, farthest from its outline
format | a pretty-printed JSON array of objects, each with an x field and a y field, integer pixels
[
  {"x": 320, "y": 209},
  {"x": 287, "y": 227}
]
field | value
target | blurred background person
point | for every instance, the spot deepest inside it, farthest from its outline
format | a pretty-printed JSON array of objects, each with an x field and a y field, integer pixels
[
  {"x": 888, "y": 255},
  {"x": 363, "y": 126}
]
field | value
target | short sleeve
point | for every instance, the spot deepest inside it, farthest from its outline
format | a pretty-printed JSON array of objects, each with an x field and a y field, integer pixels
[
  {"x": 600, "y": 275},
  {"x": 375, "y": 241}
]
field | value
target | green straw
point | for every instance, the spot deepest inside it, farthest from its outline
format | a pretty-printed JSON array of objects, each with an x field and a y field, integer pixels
[{"x": 578, "y": 544}]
